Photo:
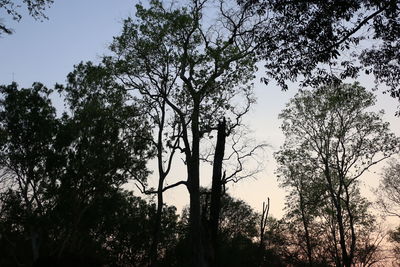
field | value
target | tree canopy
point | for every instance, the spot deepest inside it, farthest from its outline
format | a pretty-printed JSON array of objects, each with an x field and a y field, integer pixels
[
  {"x": 35, "y": 8},
  {"x": 174, "y": 92},
  {"x": 331, "y": 141}
]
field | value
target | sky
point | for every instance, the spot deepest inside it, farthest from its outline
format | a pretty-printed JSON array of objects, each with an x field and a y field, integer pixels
[{"x": 81, "y": 30}]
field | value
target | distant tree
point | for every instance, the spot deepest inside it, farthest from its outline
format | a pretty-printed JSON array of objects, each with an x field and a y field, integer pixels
[
  {"x": 340, "y": 140},
  {"x": 277, "y": 244},
  {"x": 394, "y": 237},
  {"x": 262, "y": 229},
  {"x": 35, "y": 8},
  {"x": 237, "y": 219},
  {"x": 304, "y": 200},
  {"x": 388, "y": 191},
  {"x": 371, "y": 248},
  {"x": 388, "y": 199}
]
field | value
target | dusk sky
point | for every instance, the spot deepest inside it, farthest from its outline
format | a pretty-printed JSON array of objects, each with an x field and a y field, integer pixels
[{"x": 81, "y": 30}]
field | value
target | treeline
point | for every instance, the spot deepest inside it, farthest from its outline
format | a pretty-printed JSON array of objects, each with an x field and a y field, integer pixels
[
  {"x": 178, "y": 75},
  {"x": 62, "y": 200}
]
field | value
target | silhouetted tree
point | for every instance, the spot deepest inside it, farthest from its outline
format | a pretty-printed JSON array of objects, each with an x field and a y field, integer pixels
[
  {"x": 320, "y": 41},
  {"x": 388, "y": 199},
  {"x": 304, "y": 199},
  {"x": 196, "y": 71},
  {"x": 175, "y": 50},
  {"x": 395, "y": 240},
  {"x": 388, "y": 192},
  {"x": 339, "y": 140},
  {"x": 28, "y": 127},
  {"x": 61, "y": 178},
  {"x": 105, "y": 143},
  {"x": 237, "y": 233}
]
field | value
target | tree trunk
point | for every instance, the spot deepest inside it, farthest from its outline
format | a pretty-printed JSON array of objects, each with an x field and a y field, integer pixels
[
  {"x": 157, "y": 227},
  {"x": 307, "y": 234},
  {"x": 345, "y": 257},
  {"x": 336, "y": 200},
  {"x": 263, "y": 225},
  {"x": 153, "y": 260},
  {"x": 193, "y": 171},
  {"x": 216, "y": 192},
  {"x": 351, "y": 222},
  {"x": 195, "y": 226}
]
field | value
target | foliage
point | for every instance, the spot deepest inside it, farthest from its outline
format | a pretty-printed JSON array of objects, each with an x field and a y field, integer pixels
[
  {"x": 35, "y": 9},
  {"x": 176, "y": 71},
  {"x": 28, "y": 127},
  {"x": 104, "y": 143},
  {"x": 237, "y": 233},
  {"x": 388, "y": 191},
  {"x": 395, "y": 239},
  {"x": 323, "y": 41},
  {"x": 193, "y": 69},
  {"x": 60, "y": 173},
  {"x": 193, "y": 64},
  {"x": 388, "y": 199},
  {"x": 331, "y": 140}
]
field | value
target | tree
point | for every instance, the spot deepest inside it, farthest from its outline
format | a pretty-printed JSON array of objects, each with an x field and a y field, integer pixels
[
  {"x": 383, "y": 59},
  {"x": 388, "y": 199},
  {"x": 304, "y": 199},
  {"x": 370, "y": 247},
  {"x": 198, "y": 70},
  {"x": 62, "y": 177},
  {"x": 27, "y": 131},
  {"x": 194, "y": 57},
  {"x": 167, "y": 132},
  {"x": 237, "y": 232},
  {"x": 125, "y": 226},
  {"x": 388, "y": 192},
  {"x": 395, "y": 239},
  {"x": 105, "y": 143},
  {"x": 320, "y": 41},
  {"x": 340, "y": 140},
  {"x": 262, "y": 228},
  {"x": 212, "y": 223},
  {"x": 35, "y": 9}
]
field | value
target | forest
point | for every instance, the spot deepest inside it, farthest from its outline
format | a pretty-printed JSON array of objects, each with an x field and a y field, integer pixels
[{"x": 86, "y": 184}]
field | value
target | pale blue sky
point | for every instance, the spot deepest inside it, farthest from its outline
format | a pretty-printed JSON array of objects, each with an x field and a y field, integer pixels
[
  {"x": 80, "y": 30},
  {"x": 77, "y": 30}
]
